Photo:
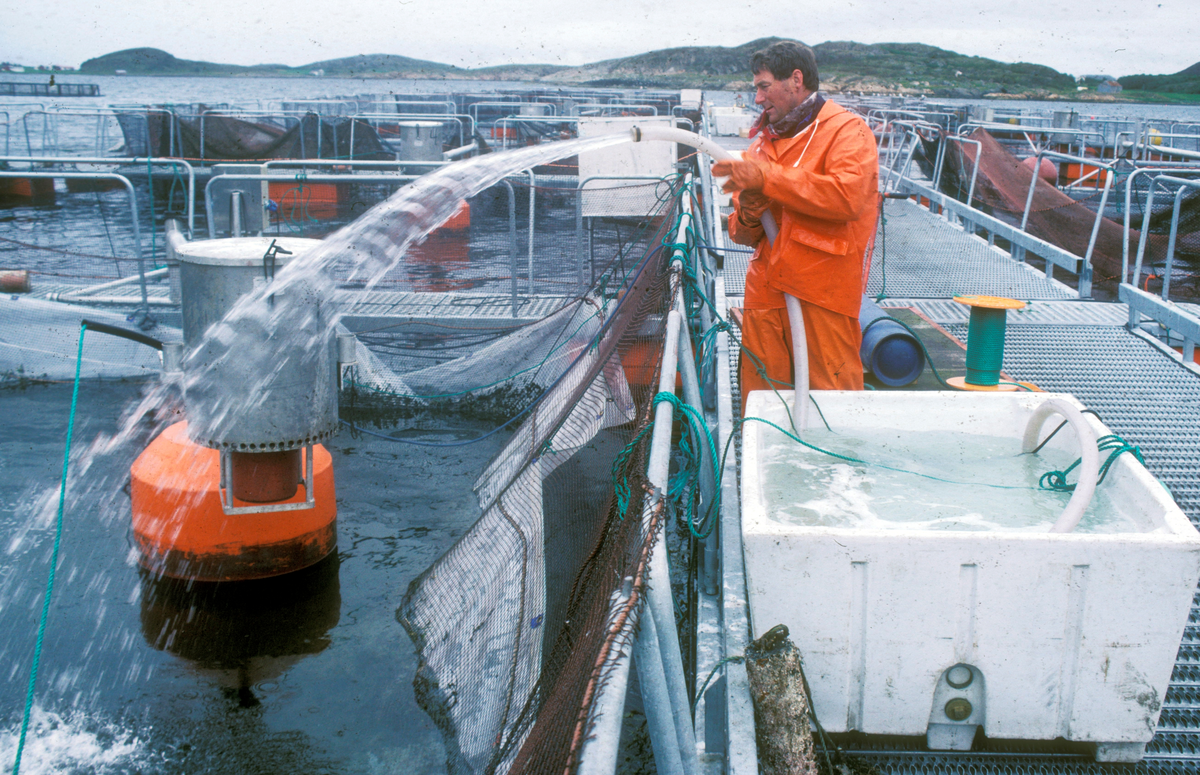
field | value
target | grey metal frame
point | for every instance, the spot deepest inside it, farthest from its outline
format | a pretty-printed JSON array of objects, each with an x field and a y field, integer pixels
[
  {"x": 137, "y": 234},
  {"x": 159, "y": 161},
  {"x": 1182, "y": 183},
  {"x": 1021, "y": 241},
  {"x": 1169, "y": 315},
  {"x": 208, "y": 188}
]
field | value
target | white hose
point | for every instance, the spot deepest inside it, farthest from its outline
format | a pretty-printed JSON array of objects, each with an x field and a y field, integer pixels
[
  {"x": 771, "y": 229},
  {"x": 1089, "y": 468}
]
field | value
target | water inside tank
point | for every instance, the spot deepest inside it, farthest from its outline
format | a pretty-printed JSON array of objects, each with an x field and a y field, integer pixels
[{"x": 949, "y": 481}]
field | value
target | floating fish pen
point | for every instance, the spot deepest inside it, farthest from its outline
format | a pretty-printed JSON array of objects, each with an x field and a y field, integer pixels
[
  {"x": 414, "y": 449},
  {"x": 27, "y": 89}
]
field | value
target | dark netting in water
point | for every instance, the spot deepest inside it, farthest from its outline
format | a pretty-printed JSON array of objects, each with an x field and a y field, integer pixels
[
  {"x": 214, "y": 136},
  {"x": 516, "y": 624}
]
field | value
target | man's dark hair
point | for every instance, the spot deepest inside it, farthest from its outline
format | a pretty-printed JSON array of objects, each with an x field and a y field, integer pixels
[{"x": 785, "y": 57}]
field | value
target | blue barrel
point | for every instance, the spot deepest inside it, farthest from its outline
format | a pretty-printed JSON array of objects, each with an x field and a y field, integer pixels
[{"x": 888, "y": 350}]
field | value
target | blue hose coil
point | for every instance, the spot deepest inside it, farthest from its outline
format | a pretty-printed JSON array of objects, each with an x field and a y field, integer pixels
[{"x": 888, "y": 350}]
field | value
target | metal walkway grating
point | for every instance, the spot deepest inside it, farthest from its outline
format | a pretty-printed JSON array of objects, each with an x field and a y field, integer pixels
[
  {"x": 736, "y": 261},
  {"x": 1072, "y": 312},
  {"x": 920, "y": 255}
]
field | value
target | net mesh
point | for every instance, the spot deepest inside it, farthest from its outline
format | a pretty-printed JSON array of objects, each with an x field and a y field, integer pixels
[
  {"x": 1003, "y": 185},
  {"x": 516, "y": 624}
]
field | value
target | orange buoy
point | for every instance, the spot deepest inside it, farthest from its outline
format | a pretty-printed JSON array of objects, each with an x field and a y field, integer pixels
[
  {"x": 1047, "y": 170},
  {"x": 14, "y": 281},
  {"x": 182, "y": 529}
]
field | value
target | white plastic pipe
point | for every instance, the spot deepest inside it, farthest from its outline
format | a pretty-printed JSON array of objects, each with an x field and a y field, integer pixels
[
  {"x": 771, "y": 229},
  {"x": 1089, "y": 468}
]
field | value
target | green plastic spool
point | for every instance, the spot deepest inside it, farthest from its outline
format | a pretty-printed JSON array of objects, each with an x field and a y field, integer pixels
[{"x": 985, "y": 337}]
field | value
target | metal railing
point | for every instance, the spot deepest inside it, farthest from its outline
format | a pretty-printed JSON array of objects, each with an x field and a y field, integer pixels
[
  {"x": 1182, "y": 185},
  {"x": 1108, "y": 181},
  {"x": 607, "y": 108},
  {"x": 1157, "y": 168},
  {"x": 108, "y": 160},
  {"x": 220, "y": 180},
  {"x": 466, "y": 124},
  {"x": 133, "y": 212},
  {"x": 1169, "y": 316},
  {"x": 1021, "y": 242},
  {"x": 656, "y": 647},
  {"x": 473, "y": 108}
]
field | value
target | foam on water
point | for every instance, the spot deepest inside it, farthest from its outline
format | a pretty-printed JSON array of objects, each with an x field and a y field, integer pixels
[
  {"x": 949, "y": 481},
  {"x": 70, "y": 743}
]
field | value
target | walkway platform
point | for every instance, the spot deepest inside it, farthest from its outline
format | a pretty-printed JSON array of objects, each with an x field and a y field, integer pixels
[
  {"x": 363, "y": 309},
  {"x": 1061, "y": 344}
]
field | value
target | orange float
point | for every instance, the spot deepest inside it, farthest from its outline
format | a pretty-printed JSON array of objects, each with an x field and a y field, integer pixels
[
  {"x": 1046, "y": 169},
  {"x": 185, "y": 529},
  {"x": 308, "y": 200}
]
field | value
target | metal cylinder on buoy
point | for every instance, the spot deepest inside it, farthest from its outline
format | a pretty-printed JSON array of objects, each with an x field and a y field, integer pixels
[
  {"x": 14, "y": 281},
  {"x": 278, "y": 389},
  {"x": 265, "y": 477},
  {"x": 243, "y": 489}
]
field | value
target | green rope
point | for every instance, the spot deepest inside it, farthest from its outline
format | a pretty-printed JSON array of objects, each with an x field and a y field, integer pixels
[
  {"x": 62, "y": 495},
  {"x": 736, "y": 659},
  {"x": 689, "y": 475},
  {"x": 1112, "y": 443},
  {"x": 683, "y": 482},
  {"x": 620, "y": 462}
]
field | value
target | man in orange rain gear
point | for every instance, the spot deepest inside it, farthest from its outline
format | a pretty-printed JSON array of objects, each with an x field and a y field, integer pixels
[{"x": 814, "y": 165}]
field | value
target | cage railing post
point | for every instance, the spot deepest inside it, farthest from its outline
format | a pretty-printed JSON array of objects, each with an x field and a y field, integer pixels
[
  {"x": 235, "y": 213},
  {"x": 512, "y": 242},
  {"x": 647, "y": 655},
  {"x": 532, "y": 202},
  {"x": 708, "y": 486},
  {"x": 659, "y": 597}
]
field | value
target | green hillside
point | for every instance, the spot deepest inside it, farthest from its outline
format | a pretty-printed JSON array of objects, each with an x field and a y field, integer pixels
[
  {"x": 846, "y": 66},
  {"x": 153, "y": 61},
  {"x": 1184, "y": 82},
  {"x": 382, "y": 65}
]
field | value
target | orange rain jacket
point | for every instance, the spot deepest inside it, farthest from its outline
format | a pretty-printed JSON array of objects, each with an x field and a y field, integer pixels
[{"x": 824, "y": 190}]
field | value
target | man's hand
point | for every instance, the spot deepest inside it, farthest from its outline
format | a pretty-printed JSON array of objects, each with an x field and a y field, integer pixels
[
  {"x": 751, "y": 205},
  {"x": 743, "y": 176}
]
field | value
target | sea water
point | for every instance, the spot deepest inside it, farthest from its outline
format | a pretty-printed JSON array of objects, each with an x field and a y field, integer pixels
[{"x": 931, "y": 480}]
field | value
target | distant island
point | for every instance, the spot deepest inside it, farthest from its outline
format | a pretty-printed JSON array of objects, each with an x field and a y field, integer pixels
[{"x": 878, "y": 68}]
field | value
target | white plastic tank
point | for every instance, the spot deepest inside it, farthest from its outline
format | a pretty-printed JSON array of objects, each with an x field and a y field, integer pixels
[{"x": 941, "y": 625}]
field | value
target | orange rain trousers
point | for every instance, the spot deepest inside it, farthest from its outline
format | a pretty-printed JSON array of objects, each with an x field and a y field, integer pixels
[{"x": 833, "y": 343}]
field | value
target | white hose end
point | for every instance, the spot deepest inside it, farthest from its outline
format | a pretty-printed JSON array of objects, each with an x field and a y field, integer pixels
[{"x": 1089, "y": 468}]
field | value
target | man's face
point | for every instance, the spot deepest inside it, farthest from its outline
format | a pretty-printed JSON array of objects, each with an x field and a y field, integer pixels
[{"x": 778, "y": 97}]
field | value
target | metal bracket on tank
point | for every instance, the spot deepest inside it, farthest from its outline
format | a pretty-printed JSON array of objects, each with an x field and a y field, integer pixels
[{"x": 227, "y": 491}]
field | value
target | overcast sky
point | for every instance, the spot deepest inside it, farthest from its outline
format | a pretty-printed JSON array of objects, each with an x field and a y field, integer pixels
[{"x": 1116, "y": 37}]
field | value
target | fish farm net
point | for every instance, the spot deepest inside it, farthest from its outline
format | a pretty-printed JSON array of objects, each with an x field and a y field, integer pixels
[
  {"x": 516, "y": 626},
  {"x": 1002, "y": 188}
]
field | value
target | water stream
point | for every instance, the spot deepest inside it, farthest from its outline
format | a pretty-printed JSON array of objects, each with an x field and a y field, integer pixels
[{"x": 305, "y": 673}]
